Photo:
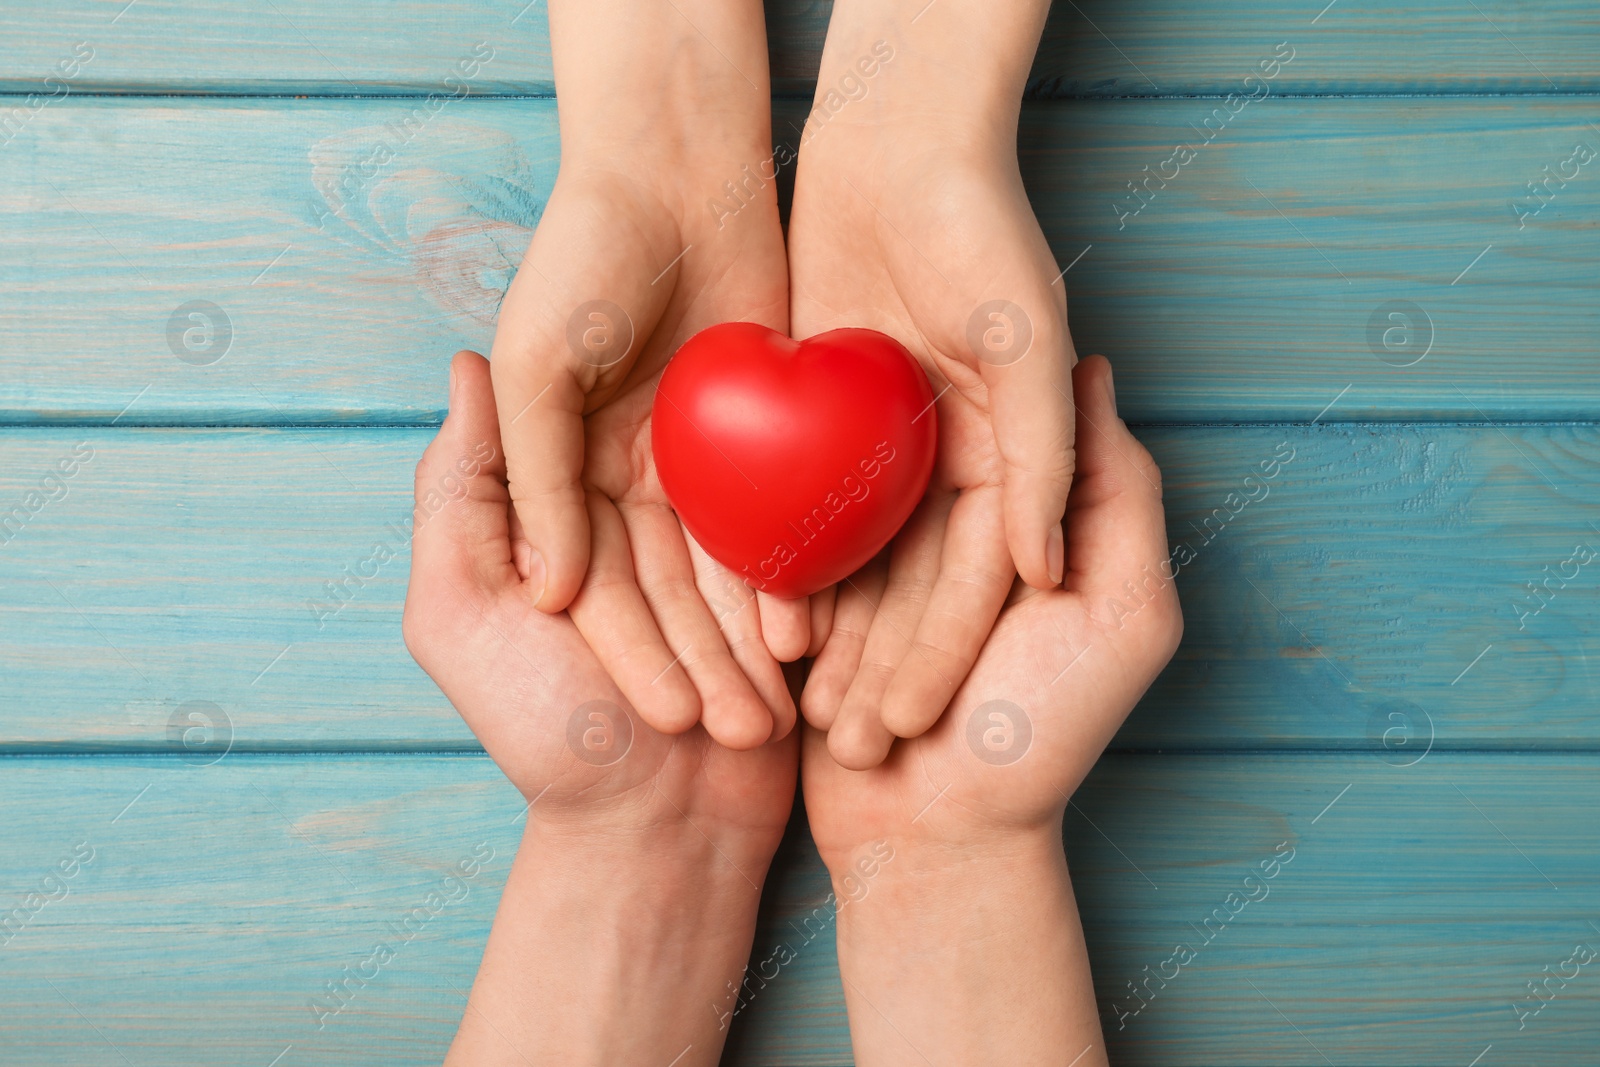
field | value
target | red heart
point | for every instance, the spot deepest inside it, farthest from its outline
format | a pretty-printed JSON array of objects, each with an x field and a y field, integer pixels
[{"x": 793, "y": 463}]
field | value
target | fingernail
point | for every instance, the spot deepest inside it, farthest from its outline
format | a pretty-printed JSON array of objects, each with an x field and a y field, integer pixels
[
  {"x": 1111, "y": 389},
  {"x": 1055, "y": 554},
  {"x": 536, "y": 574}
]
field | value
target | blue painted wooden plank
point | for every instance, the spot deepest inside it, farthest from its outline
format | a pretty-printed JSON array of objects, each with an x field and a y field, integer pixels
[
  {"x": 318, "y": 283},
  {"x": 1166, "y": 47},
  {"x": 1312, "y": 246},
  {"x": 1405, "y": 911},
  {"x": 1343, "y": 585},
  {"x": 1094, "y": 48},
  {"x": 360, "y": 47}
]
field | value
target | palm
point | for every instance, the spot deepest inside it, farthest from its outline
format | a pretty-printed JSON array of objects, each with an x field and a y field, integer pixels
[
  {"x": 1057, "y": 676},
  {"x": 568, "y": 752},
  {"x": 924, "y": 249},
  {"x": 940, "y": 781},
  {"x": 527, "y": 683}
]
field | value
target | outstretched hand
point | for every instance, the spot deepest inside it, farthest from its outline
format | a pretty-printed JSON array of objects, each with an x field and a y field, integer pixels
[
  {"x": 929, "y": 237},
  {"x": 969, "y": 941},
  {"x": 638, "y": 846},
  {"x": 1058, "y": 675},
  {"x": 527, "y": 683},
  {"x": 664, "y": 109}
]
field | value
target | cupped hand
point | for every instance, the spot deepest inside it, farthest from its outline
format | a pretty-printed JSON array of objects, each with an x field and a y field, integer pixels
[
  {"x": 621, "y": 271},
  {"x": 1056, "y": 679},
  {"x": 527, "y": 683},
  {"x": 931, "y": 239}
]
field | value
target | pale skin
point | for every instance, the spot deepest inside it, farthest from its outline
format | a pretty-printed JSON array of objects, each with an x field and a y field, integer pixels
[
  {"x": 627, "y": 264},
  {"x": 634, "y": 894},
  {"x": 562, "y": 577},
  {"x": 909, "y": 216},
  {"x": 967, "y": 948}
]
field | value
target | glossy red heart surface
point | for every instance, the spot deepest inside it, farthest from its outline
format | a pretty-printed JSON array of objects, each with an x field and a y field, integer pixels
[{"x": 793, "y": 462}]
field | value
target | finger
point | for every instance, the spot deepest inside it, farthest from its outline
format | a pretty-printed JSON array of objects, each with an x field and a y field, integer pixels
[
  {"x": 613, "y": 617},
  {"x": 459, "y": 531},
  {"x": 460, "y": 541},
  {"x": 785, "y": 625},
  {"x": 1117, "y": 537},
  {"x": 858, "y": 739},
  {"x": 821, "y": 618},
  {"x": 521, "y": 552},
  {"x": 733, "y": 604},
  {"x": 840, "y": 655},
  {"x": 975, "y": 574},
  {"x": 730, "y": 710},
  {"x": 1028, "y": 376},
  {"x": 541, "y": 422}
]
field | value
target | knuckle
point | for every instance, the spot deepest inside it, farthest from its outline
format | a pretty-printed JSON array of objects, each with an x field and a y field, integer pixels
[
  {"x": 667, "y": 590},
  {"x": 1146, "y": 465},
  {"x": 1169, "y": 621},
  {"x": 934, "y": 654},
  {"x": 1066, "y": 464},
  {"x": 419, "y": 627}
]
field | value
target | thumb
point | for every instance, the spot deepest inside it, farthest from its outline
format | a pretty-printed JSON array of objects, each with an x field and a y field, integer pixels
[
  {"x": 1117, "y": 527},
  {"x": 540, "y": 402},
  {"x": 1025, "y": 356}
]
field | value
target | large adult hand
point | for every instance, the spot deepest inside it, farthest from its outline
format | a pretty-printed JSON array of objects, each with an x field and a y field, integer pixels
[
  {"x": 630, "y": 259},
  {"x": 910, "y": 217},
  {"x": 968, "y": 941},
  {"x": 640, "y": 846}
]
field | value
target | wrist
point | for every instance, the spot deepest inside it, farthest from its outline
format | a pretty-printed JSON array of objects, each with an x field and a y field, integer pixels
[
  {"x": 660, "y": 89},
  {"x": 944, "y": 842},
  {"x": 951, "y": 74},
  {"x": 942, "y": 873},
  {"x": 608, "y": 926},
  {"x": 616, "y": 842},
  {"x": 975, "y": 951}
]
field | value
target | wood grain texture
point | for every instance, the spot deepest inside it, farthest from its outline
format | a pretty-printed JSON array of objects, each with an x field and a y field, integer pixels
[
  {"x": 1341, "y": 575},
  {"x": 1254, "y": 286},
  {"x": 1093, "y": 48},
  {"x": 221, "y": 900},
  {"x": 356, "y": 47},
  {"x": 340, "y": 284},
  {"x": 1258, "y": 283}
]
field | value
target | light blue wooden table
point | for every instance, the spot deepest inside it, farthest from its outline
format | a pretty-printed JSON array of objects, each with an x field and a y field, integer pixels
[{"x": 1393, "y": 650}]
